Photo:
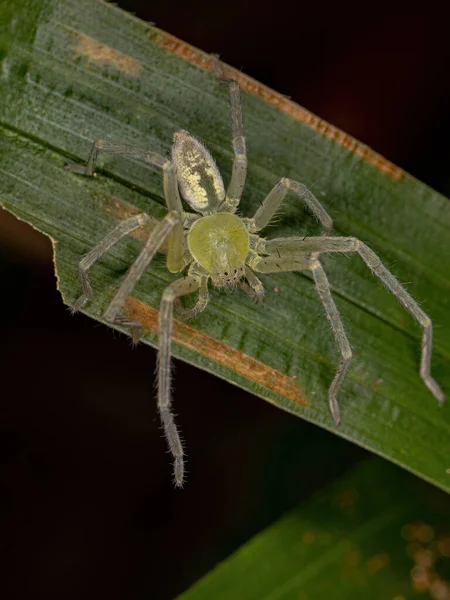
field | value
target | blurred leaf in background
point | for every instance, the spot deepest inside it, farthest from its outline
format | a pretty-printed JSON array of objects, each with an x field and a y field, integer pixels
[{"x": 374, "y": 534}]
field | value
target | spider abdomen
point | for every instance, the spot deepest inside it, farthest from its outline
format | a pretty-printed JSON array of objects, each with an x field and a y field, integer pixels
[
  {"x": 220, "y": 244},
  {"x": 199, "y": 179}
]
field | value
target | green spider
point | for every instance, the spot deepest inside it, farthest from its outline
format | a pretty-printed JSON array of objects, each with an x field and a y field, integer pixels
[{"x": 216, "y": 244}]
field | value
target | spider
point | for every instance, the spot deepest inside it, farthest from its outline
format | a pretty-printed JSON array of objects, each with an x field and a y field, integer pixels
[{"x": 214, "y": 243}]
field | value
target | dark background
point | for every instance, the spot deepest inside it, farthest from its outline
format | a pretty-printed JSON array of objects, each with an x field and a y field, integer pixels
[{"x": 87, "y": 506}]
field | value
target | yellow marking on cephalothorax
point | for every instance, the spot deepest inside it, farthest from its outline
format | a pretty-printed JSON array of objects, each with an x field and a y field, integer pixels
[
  {"x": 101, "y": 53},
  {"x": 242, "y": 364}
]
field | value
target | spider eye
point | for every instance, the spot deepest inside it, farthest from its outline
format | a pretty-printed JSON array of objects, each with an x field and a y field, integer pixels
[
  {"x": 235, "y": 271},
  {"x": 226, "y": 274}
]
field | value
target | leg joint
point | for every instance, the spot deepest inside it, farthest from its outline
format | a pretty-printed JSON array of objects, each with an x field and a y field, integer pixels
[
  {"x": 168, "y": 295},
  {"x": 168, "y": 166},
  {"x": 285, "y": 182},
  {"x": 347, "y": 354},
  {"x": 173, "y": 217},
  {"x": 426, "y": 321}
]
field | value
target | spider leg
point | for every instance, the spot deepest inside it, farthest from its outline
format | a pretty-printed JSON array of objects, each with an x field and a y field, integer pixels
[
  {"x": 119, "y": 149},
  {"x": 190, "y": 313},
  {"x": 408, "y": 302},
  {"x": 333, "y": 316},
  {"x": 254, "y": 289},
  {"x": 280, "y": 264},
  {"x": 171, "y": 192},
  {"x": 123, "y": 228},
  {"x": 255, "y": 285},
  {"x": 178, "y": 288},
  {"x": 239, "y": 172},
  {"x": 289, "y": 252},
  {"x": 276, "y": 196},
  {"x": 250, "y": 292},
  {"x": 297, "y": 246},
  {"x": 175, "y": 247},
  {"x": 156, "y": 239}
]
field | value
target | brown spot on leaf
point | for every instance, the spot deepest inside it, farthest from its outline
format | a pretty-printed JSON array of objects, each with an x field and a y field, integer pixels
[
  {"x": 101, "y": 53},
  {"x": 240, "y": 363},
  {"x": 121, "y": 210},
  {"x": 203, "y": 60}
]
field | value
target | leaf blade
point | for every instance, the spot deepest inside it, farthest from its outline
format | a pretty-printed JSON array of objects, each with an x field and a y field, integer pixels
[
  {"x": 360, "y": 537},
  {"x": 71, "y": 78}
]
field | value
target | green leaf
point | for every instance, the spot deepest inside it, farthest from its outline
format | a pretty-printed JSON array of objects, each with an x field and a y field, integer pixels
[
  {"x": 74, "y": 70},
  {"x": 373, "y": 534}
]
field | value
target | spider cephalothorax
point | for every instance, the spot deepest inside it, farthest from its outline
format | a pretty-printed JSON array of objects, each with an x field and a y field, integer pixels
[
  {"x": 220, "y": 244},
  {"x": 214, "y": 244}
]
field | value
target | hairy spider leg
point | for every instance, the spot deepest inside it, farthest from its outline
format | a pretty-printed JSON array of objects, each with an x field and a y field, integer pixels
[
  {"x": 203, "y": 297},
  {"x": 171, "y": 228},
  {"x": 250, "y": 293},
  {"x": 275, "y": 198},
  {"x": 156, "y": 239},
  {"x": 175, "y": 290},
  {"x": 334, "y": 318},
  {"x": 289, "y": 258},
  {"x": 239, "y": 172},
  {"x": 171, "y": 192},
  {"x": 122, "y": 229},
  {"x": 257, "y": 288}
]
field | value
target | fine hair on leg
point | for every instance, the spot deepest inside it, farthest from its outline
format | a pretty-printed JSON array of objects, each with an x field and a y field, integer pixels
[
  {"x": 175, "y": 248},
  {"x": 408, "y": 302},
  {"x": 156, "y": 239},
  {"x": 239, "y": 170},
  {"x": 323, "y": 289},
  {"x": 119, "y": 149},
  {"x": 122, "y": 229},
  {"x": 256, "y": 286},
  {"x": 287, "y": 252},
  {"x": 178, "y": 288},
  {"x": 250, "y": 293},
  {"x": 277, "y": 195},
  {"x": 190, "y": 313}
]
